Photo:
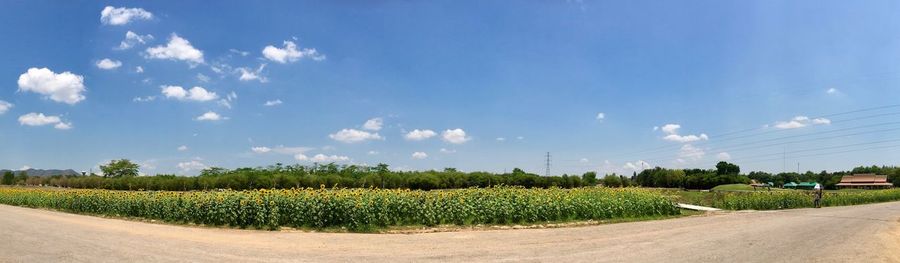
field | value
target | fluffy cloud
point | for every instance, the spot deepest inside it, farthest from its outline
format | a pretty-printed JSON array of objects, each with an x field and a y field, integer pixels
[
  {"x": 182, "y": 148},
  {"x": 280, "y": 149},
  {"x": 248, "y": 74},
  {"x": 691, "y": 153},
  {"x": 290, "y": 53},
  {"x": 354, "y": 136},
  {"x": 144, "y": 99},
  {"x": 121, "y": 15},
  {"x": 443, "y": 150},
  {"x": 601, "y": 116},
  {"x": 261, "y": 149},
  {"x": 63, "y": 87},
  {"x": 832, "y": 91},
  {"x": 321, "y": 158},
  {"x": 636, "y": 166},
  {"x": 177, "y": 49},
  {"x": 373, "y": 124},
  {"x": 194, "y": 94},
  {"x": 5, "y": 106},
  {"x": 501, "y": 139},
  {"x": 800, "y": 122},
  {"x": 723, "y": 156},
  {"x": 108, "y": 64},
  {"x": 192, "y": 165},
  {"x": 39, "y": 119},
  {"x": 272, "y": 103},
  {"x": 132, "y": 39},
  {"x": 419, "y": 155},
  {"x": 139, "y": 69},
  {"x": 418, "y": 135},
  {"x": 210, "y": 116},
  {"x": 455, "y": 136},
  {"x": 671, "y": 131}
]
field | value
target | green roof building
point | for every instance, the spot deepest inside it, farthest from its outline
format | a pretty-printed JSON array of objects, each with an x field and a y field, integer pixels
[{"x": 791, "y": 185}]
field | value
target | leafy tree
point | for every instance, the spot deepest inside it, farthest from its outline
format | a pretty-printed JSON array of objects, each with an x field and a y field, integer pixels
[
  {"x": 120, "y": 168},
  {"x": 22, "y": 178},
  {"x": 726, "y": 168},
  {"x": 589, "y": 178},
  {"x": 9, "y": 178},
  {"x": 612, "y": 180}
]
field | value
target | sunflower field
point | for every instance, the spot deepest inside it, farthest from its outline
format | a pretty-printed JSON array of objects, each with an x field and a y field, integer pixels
[
  {"x": 354, "y": 209},
  {"x": 772, "y": 200}
]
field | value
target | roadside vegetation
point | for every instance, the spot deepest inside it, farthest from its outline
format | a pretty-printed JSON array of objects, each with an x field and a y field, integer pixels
[{"x": 354, "y": 209}]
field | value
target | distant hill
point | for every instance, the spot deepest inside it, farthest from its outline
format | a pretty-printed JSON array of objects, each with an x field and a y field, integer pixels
[{"x": 44, "y": 172}]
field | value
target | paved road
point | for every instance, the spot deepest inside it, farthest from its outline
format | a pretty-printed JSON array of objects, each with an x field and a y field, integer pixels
[{"x": 868, "y": 233}]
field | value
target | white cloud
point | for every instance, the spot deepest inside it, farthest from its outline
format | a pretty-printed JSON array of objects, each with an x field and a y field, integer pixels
[
  {"x": 5, "y": 106},
  {"x": 670, "y": 128},
  {"x": 177, "y": 49},
  {"x": 63, "y": 87},
  {"x": 690, "y": 152},
  {"x": 226, "y": 102},
  {"x": 194, "y": 94},
  {"x": 273, "y": 102},
  {"x": 520, "y": 138},
  {"x": 800, "y": 122},
  {"x": 139, "y": 69},
  {"x": 636, "y": 166},
  {"x": 418, "y": 135},
  {"x": 239, "y": 52},
  {"x": 373, "y": 124},
  {"x": 192, "y": 165},
  {"x": 501, "y": 139},
  {"x": 443, "y": 150},
  {"x": 821, "y": 121},
  {"x": 455, "y": 136},
  {"x": 63, "y": 126},
  {"x": 248, "y": 74},
  {"x": 290, "y": 53},
  {"x": 210, "y": 116},
  {"x": 672, "y": 134},
  {"x": 584, "y": 160},
  {"x": 108, "y": 64},
  {"x": 261, "y": 149},
  {"x": 118, "y": 16},
  {"x": 601, "y": 116},
  {"x": 39, "y": 119},
  {"x": 132, "y": 39},
  {"x": 832, "y": 91},
  {"x": 723, "y": 156},
  {"x": 202, "y": 78},
  {"x": 354, "y": 136},
  {"x": 419, "y": 155},
  {"x": 182, "y": 148},
  {"x": 373, "y": 152},
  {"x": 320, "y": 158},
  {"x": 144, "y": 99},
  {"x": 280, "y": 149},
  {"x": 686, "y": 138}
]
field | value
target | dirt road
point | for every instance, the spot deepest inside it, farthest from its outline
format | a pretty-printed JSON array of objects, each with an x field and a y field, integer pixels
[{"x": 867, "y": 233}]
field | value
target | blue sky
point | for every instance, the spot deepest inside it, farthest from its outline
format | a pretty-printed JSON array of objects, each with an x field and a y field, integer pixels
[{"x": 481, "y": 85}]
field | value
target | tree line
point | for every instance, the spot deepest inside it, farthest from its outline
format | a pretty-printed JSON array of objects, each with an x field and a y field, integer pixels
[{"x": 123, "y": 175}]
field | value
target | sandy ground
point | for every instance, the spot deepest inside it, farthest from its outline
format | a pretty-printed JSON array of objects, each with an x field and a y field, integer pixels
[{"x": 866, "y": 233}]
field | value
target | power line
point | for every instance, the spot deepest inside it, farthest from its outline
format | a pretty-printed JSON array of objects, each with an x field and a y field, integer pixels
[{"x": 720, "y": 136}]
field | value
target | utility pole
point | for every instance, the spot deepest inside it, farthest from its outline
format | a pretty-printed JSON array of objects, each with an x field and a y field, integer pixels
[
  {"x": 547, "y": 172},
  {"x": 798, "y": 167}
]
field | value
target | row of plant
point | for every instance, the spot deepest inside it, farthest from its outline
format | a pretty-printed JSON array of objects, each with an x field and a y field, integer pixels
[
  {"x": 355, "y": 209},
  {"x": 772, "y": 200}
]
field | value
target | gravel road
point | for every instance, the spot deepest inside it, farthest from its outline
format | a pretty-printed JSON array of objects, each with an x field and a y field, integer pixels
[{"x": 865, "y": 233}]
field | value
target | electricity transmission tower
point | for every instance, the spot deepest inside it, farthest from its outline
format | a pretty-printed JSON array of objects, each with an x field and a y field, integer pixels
[{"x": 547, "y": 172}]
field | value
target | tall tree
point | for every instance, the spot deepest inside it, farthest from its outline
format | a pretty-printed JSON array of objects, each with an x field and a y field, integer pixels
[
  {"x": 120, "y": 168},
  {"x": 9, "y": 178}
]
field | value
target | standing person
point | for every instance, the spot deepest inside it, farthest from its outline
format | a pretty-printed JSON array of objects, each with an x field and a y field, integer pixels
[{"x": 818, "y": 201}]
